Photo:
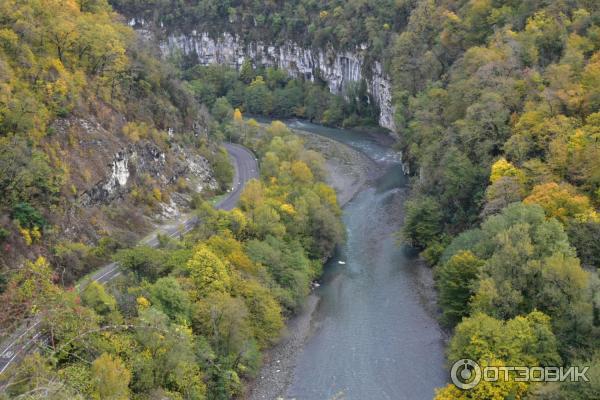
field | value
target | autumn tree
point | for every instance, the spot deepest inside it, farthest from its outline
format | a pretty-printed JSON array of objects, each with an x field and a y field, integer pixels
[
  {"x": 562, "y": 202},
  {"x": 208, "y": 272},
  {"x": 111, "y": 378}
]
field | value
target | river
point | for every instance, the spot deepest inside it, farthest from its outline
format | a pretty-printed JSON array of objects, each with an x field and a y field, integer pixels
[{"x": 372, "y": 337}]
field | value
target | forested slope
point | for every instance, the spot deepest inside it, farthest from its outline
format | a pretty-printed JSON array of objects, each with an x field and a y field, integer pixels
[
  {"x": 498, "y": 111},
  {"x": 96, "y": 135}
]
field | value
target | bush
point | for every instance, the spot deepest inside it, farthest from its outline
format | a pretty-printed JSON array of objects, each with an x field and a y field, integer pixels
[
  {"x": 222, "y": 168},
  {"x": 28, "y": 216}
]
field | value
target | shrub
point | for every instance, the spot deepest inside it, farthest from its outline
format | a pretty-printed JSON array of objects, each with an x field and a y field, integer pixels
[{"x": 28, "y": 216}]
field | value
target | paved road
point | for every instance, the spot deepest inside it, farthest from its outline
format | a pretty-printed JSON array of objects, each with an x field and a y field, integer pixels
[{"x": 246, "y": 168}]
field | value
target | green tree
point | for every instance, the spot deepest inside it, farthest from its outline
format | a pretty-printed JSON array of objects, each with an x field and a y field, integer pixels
[
  {"x": 145, "y": 262},
  {"x": 222, "y": 168},
  {"x": 455, "y": 280},
  {"x": 168, "y": 296},
  {"x": 166, "y": 357},
  {"x": 422, "y": 222},
  {"x": 257, "y": 97},
  {"x": 247, "y": 73},
  {"x": 222, "y": 110},
  {"x": 585, "y": 237},
  {"x": 96, "y": 297},
  {"x": 276, "y": 77}
]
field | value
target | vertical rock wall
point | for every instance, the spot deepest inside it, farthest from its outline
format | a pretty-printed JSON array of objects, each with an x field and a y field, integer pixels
[{"x": 335, "y": 68}]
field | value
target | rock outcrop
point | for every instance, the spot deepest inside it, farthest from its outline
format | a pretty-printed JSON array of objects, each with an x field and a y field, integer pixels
[
  {"x": 105, "y": 166},
  {"x": 335, "y": 68}
]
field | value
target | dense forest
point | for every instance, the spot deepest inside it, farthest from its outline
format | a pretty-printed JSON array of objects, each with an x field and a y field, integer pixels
[
  {"x": 497, "y": 109},
  {"x": 498, "y": 113},
  {"x": 272, "y": 93}
]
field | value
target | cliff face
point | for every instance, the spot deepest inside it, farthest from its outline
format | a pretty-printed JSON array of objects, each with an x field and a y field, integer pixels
[{"x": 337, "y": 69}]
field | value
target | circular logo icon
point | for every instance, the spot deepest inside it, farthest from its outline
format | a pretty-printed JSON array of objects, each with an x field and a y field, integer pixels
[{"x": 465, "y": 374}]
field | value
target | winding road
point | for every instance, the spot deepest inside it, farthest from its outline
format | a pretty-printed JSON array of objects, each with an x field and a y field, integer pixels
[{"x": 246, "y": 168}]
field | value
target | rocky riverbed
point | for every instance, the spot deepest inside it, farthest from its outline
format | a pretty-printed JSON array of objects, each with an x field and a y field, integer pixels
[
  {"x": 348, "y": 169},
  {"x": 370, "y": 326}
]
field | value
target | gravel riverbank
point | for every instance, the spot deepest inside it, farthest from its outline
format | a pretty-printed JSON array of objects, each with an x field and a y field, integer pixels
[{"x": 348, "y": 169}]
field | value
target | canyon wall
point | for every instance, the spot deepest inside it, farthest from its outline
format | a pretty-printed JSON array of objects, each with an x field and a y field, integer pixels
[{"x": 335, "y": 68}]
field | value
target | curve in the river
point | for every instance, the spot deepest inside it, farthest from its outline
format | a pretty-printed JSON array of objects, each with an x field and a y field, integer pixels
[{"x": 372, "y": 337}]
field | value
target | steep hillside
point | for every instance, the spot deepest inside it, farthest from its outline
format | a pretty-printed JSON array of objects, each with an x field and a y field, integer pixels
[
  {"x": 98, "y": 138},
  {"x": 498, "y": 115}
]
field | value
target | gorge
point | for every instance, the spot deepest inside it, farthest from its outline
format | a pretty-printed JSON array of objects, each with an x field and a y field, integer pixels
[
  {"x": 336, "y": 69},
  {"x": 378, "y": 289},
  {"x": 419, "y": 200},
  {"x": 373, "y": 333}
]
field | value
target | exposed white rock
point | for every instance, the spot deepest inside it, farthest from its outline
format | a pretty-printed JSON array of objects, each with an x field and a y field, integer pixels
[
  {"x": 137, "y": 22},
  {"x": 120, "y": 173},
  {"x": 170, "y": 210},
  {"x": 335, "y": 68},
  {"x": 200, "y": 173}
]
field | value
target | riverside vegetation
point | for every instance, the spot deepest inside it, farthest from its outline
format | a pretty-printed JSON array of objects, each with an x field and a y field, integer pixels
[
  {"x": 189, "y": 319},
  {"x": 272, "y": 93},
  {"x": 498, "y": 114}
]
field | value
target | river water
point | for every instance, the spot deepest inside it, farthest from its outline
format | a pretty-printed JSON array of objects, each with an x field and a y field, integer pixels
[{"x": 372, "y": 337}]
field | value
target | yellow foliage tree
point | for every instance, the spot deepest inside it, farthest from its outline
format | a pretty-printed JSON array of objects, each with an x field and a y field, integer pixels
[
  {"x": 503, "y": 168},
  {"x": 500, "y": 390},
  {"x": 288, "y": 209},
  {"x": 252, "y": 196},
  {"x": 237, "y": 116},
  {"x": 562, "y": 202},
  {"x": 208, "y": 272},
  {"x": 301, "y": 172},
  {"x": 265, "y": 312},
  {"x": 35, "y": 283},
  {"x": 226, "y": 247},
  {"x": 277, "y": 128},
  {"x": 328, "y": 194},
  {"x": 111, "y": 378}
]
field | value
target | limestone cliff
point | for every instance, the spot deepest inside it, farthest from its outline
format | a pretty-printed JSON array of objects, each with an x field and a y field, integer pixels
[{"x": 335, "y": 68}]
